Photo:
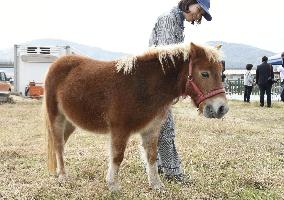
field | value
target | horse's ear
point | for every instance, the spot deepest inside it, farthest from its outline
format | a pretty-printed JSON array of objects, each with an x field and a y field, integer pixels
[
  {"x": 218, "y": 46},
  {"x": 195, "y": 50}
]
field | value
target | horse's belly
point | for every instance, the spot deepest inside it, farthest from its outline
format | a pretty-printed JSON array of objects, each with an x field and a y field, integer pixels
[{"x": 86, "y": 117}]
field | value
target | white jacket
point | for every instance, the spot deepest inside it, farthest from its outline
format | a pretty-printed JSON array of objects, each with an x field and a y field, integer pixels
[
  {"x": 281, "y": 70},
  {"x": 248, "y": 78}
]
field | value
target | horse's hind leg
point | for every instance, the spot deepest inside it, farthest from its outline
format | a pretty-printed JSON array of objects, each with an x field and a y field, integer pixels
[
  {"x": 68, "y": 130},
  {"x": 149, "y": 143},
  {"x": 56, "y": 130},
  {"x": 61, "y": 130},
  {"x": 118, "y": 145}
]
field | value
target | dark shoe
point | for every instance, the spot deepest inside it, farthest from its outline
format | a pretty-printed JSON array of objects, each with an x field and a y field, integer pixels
[
  {"x": 261, "y": 105},
  {"x": 269, "y": 106},
  {"x": 179, "y": 179},
  {"x": 160, "y": 170}
]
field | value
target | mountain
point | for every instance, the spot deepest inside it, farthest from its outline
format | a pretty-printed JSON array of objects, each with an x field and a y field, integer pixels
[
  {"x": 7, "y": 55},
  {"x": 95, "y": 52},
  {"x": 236, "y": 55}
]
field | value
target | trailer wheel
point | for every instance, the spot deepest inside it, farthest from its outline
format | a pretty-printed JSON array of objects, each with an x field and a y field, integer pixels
[{"x": 27, "y": 91}]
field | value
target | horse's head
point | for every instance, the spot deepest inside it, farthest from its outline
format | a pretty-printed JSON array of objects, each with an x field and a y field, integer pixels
[{"x": 204, "y": 83}]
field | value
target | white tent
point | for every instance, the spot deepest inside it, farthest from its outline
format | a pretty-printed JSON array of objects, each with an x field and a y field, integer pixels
[{"x": 276, "y": 59}]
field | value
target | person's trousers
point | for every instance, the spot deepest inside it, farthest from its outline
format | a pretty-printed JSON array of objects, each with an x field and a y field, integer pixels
[
  {"x": 247, "y": 93},
  {"x": 282, "y": 91},
  {"x": 168, "y": 159},
  {"x": 265, "y": 89}
]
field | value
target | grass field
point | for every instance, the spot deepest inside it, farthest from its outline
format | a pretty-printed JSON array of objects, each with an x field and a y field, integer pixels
[{"x": 238, "y": 157}]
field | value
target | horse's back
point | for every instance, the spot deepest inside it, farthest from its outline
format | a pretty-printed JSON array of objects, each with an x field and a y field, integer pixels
[
  {"x": 62, "y": 66},
  {"x": 77, "y": 87}
]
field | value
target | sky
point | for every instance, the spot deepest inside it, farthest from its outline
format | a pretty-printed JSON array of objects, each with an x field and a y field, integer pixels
[{"x": 126, "y": 25}]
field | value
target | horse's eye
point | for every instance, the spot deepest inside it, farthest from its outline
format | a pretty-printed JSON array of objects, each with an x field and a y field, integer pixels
[{"x": 205, "y": 74}]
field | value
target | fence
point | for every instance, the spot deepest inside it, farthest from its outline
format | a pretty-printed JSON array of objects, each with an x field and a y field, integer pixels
[{"x": 237, "y": 87}]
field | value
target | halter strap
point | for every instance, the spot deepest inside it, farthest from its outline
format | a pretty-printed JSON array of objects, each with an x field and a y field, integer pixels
[{"x": 191, "y": 88}]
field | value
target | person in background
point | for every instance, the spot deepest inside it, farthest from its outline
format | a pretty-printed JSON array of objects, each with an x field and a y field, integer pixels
[
  {"x": 169, "y": 29},
  {"x": 248, "y": 83},
  {"x": 223, "y": 76},
  {"x": 264, "y": 80},
  {"x": 281, "y": 71}
]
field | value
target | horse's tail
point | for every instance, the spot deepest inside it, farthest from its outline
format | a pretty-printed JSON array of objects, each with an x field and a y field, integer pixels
[
  {"x": 56, "y": 74},
  {"x": 51, "y": 158}
]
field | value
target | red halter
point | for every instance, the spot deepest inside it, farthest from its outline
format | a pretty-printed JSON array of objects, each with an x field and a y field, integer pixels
[{"x": 191, "y": 88}]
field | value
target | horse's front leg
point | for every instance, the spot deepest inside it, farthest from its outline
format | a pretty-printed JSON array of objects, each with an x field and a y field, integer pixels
[
  {"x": 118, "y": 144},
  {"x": 149, "y": 143}
]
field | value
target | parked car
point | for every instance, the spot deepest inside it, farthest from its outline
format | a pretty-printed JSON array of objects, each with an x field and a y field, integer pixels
[{"x": 5, "y": 87}]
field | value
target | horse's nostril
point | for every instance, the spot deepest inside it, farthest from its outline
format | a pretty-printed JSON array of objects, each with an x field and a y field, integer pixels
[
  {"x": 209, "y": 109},
  {"x": 221, "y": 109}
]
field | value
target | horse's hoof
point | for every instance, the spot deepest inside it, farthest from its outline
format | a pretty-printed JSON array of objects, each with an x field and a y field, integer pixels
[
  {"x": 62, "y": 178},
  {"x": 158, "y": 186},
  {"x": 113, "y": 187}
]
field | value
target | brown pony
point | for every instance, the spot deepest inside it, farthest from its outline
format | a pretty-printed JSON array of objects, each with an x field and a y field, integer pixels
[{"x": 127, "y": 96}]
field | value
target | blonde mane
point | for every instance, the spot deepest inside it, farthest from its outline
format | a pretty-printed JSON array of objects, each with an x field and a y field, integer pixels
[
  {"x": 212, "y": 53},
  {"x": 166, "y": 54}
]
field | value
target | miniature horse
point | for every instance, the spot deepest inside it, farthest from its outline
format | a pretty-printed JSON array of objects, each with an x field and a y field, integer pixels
[{"x": 126, "y": 96}]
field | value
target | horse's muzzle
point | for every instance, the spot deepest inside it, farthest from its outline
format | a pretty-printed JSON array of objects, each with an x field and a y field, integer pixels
[{"x": 215, "y": 111}]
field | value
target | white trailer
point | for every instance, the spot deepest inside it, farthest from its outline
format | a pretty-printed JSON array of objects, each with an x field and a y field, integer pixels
[{"x": 32, "y": 62}]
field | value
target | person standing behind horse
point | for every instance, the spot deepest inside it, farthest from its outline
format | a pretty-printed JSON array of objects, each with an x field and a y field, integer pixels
[
  {"x": 169, "y": 29},
  {"x": 248, "y": 83},
  {"x": 264, "y": 79},
  {"x": 281, "y": 71}
]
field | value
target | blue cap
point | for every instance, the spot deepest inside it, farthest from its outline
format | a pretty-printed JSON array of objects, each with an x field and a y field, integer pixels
[{"x": 205, "y": 5}]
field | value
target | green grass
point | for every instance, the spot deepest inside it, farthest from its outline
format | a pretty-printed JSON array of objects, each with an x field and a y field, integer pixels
[{"x": 238, "y": 157}]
